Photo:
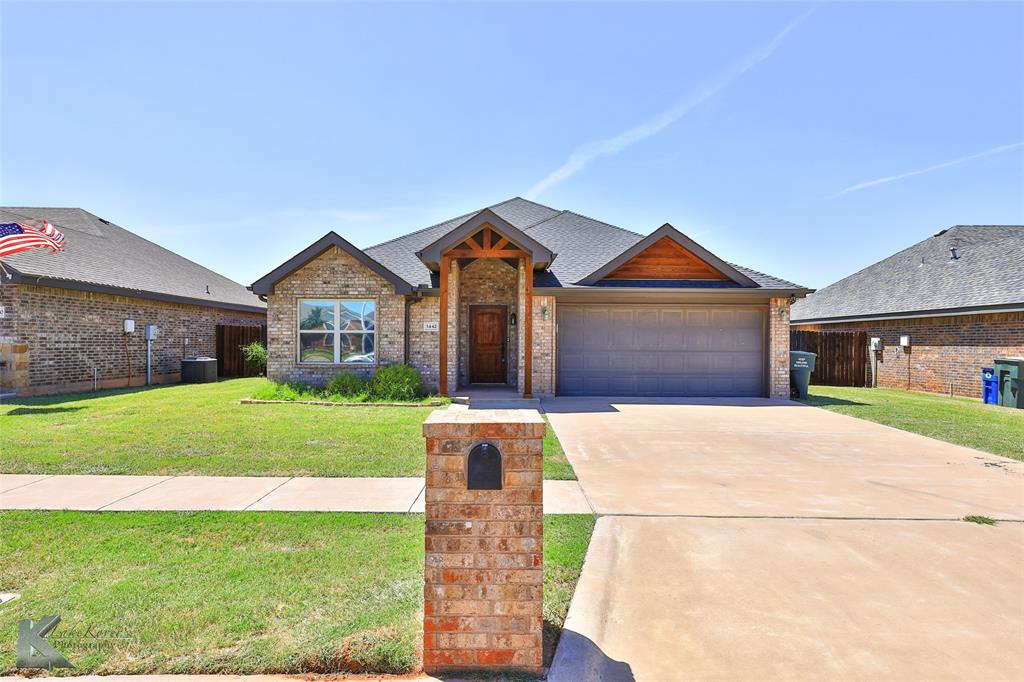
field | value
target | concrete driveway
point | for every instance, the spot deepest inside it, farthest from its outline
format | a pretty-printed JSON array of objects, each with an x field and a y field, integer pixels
[
  {"x": 758, "y": 540},
  {"x": 754, "y": 457}
]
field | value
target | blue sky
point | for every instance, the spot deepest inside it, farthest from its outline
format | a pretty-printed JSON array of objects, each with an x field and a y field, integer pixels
[{"x": 238, "y": 133}]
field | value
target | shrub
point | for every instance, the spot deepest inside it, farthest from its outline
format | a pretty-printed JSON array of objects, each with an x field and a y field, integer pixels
[
  {"x": 396, "y": 382},
  {"x": 255, "y": 355},
  {"x": 348, "y": 385}
]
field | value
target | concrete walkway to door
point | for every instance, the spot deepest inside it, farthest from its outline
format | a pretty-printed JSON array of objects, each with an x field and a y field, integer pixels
[{"x": 763, "y": 540}]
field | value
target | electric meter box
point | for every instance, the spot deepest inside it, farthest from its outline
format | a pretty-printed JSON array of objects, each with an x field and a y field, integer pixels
[{"x": 152, "y": 331}]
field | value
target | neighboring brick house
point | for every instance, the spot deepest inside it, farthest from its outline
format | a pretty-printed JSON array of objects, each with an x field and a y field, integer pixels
[
  {"x": 958, "y": 296},
  {"x": 62, "y": 314},
  {"x": 524, "y": 295}
]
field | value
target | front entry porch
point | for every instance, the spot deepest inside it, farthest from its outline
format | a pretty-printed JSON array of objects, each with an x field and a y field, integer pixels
[
  {"x": 486, "y": 313},
  {"x": 493, "y": 396}
]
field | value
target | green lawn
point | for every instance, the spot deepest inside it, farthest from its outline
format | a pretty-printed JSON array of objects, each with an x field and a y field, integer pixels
[
  {"x": 999, "y": 430},
  {"x": 203, "y": 429},
  {"x": 237, "y": 592}
]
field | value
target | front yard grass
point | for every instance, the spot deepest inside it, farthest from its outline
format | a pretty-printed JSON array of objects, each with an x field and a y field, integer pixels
[
  {"x": 202, "y": 429},
  {"x": 963, "y": 421},
  {"x": 236, "y": 592}
]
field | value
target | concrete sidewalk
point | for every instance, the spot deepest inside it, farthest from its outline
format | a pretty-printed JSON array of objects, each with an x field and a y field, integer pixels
[{"x": 238, "y": 493}]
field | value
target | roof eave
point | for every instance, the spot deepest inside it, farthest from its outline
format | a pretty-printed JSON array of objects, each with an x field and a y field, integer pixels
[
  {"x": 660, "y": 292},
  {"x": 265, "y": 285},
  {"x": 761, "y": 292},
  {"x": 77, "y": 285},
  {"x": 902, "y": 315}
]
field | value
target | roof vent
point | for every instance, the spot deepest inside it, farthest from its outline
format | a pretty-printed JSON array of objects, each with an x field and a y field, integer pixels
[
  {"x": 952, "y": 253},
  {"x": 208, "y": 287}
]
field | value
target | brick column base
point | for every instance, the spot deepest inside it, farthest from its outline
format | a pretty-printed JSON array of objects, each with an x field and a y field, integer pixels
[{"x": 483, "y": 591}]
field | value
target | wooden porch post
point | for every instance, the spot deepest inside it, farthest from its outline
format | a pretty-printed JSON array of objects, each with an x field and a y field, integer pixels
[
  {"x": 528, "y": 329},
  {"x": 442, "y": 330}
]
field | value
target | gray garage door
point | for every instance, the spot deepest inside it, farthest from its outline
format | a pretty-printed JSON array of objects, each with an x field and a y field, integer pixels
[{"x": 660, "y": 350}]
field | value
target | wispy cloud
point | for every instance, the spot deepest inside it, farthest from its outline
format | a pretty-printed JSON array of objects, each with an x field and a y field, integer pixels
[
  {"x": 929, "y": 169},
  {"x": 586, "y": 153}
]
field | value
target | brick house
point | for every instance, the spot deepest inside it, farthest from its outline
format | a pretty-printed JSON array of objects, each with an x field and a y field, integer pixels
[
  {"x": 535, "y": 298},
  {"x": 62, "y": 314},
  {"x": 958, "y": 296}
]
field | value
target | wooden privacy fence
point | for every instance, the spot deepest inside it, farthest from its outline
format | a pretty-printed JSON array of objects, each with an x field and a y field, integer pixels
[
  {"x": 230, "y": 339},
  {"x": 842, "y": 356}
]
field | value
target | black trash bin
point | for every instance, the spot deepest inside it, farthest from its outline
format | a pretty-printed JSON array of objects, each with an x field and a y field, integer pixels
[
  {"x": 801, "y": 364},
  {"x": 198, "y": 370}
]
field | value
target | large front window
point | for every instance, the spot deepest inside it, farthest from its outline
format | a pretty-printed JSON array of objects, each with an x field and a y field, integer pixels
[{"x": 337, "y": 331}]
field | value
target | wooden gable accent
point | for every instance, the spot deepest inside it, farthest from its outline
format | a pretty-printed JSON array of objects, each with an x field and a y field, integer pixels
[
  {"x": 486, "y": 243},
  {"x": 665, "y": 259}
]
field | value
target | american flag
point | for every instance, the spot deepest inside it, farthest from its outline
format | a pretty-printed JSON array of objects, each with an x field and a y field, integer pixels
[{"x": 28, "y": 235}]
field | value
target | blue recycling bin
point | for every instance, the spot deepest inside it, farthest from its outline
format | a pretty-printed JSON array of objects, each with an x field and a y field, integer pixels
[{"x": 989, "y": 386}]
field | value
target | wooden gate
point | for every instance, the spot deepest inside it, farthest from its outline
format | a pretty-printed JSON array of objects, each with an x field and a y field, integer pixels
[
  {"x": 842, "y": 356},
  {"x": 230, "y": 339}
]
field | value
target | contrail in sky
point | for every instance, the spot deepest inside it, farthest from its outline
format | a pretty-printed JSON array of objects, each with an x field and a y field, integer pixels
[
  {"x": 586, "y": 153},
  {"x": 929, "y": 169}
]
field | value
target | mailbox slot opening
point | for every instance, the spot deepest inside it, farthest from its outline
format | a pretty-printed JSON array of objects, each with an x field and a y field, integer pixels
[{"x": 483, "y": 469}]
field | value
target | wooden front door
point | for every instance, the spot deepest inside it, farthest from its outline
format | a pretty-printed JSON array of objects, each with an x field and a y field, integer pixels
[{"x": 487, "y": 344}]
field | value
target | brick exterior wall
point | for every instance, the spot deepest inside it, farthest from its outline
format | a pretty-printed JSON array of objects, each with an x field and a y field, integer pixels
[
  {"x": 945, "y": 352},
  {"x": 488, "y": 281},
  {"x": 484, "y": 565},
  {"x": 454, "y": 279},
  {"x": 424, "y": 346},
  {"x": 520, "y": 331},
  {"x": 332, "y": 275},
  {"x": 544, "y": 345},
  {"x": 778, "y": 348},
  {"x": 53, "y": 339}
]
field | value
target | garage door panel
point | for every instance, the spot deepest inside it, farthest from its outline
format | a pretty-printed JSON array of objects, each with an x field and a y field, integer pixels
[
  {"x": 748, "y": 363},
  {"x": 672, "y": 362},
  {"x": 748, "y": 319},
  {"x": 571, "y": 362},
  {"x": 748, "y": 340},
  {"x": 621, "y": 337},
  {"x": 698, "y": 363},
  {"x": 696, "y": 385},
  {"x": 660, "y": 350},
  {"x": 698, "y": 318},
  {"x": 695, "y": 339},
  {"x": 622, "y": 362},
  {"x": 622, "y": 384}
]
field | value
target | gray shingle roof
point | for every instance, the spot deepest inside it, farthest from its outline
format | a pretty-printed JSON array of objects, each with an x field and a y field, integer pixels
[
  {"x": 100, "y": 254},
  {"x": 399, "y": 255},
  {"x": 989, "y": 271},
  {"x": 582, "y": 246}
]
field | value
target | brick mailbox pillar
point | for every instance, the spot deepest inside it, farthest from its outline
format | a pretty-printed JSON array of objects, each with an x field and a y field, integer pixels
[{"x": 483, "y": 592}]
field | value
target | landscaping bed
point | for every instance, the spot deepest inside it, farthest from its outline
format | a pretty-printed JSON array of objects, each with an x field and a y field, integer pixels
[
  {"x": 426, "y": 402},
  {"x": 237, "y": 592},
  {"x": 963, "y": 421},
  {"x": 203, "y": 429}
]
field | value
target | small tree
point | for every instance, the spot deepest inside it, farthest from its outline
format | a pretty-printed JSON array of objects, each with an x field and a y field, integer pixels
[{"x": 255, "y": 355}]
